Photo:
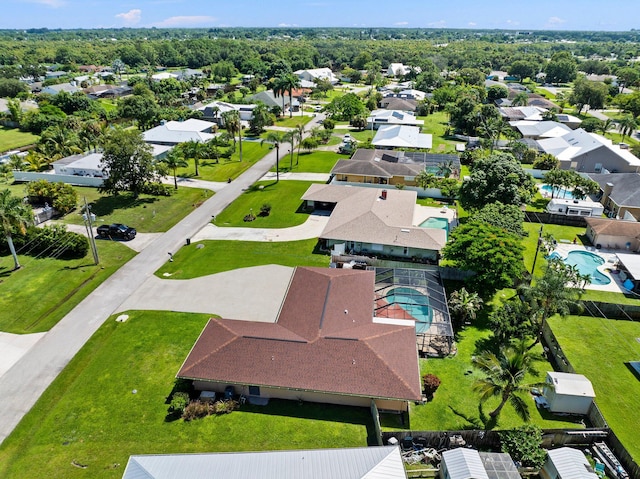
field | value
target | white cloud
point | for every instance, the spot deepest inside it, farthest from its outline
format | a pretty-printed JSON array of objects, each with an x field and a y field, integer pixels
[
  {"x": 287, "y": 24},
  {"x": 472, "y": 24},
  {"x": 185, "y": 21},
  {"x": 438, "y": 24},
  {"x": 401, "y": 24},
  {"x": 555, "y": 21},
  {"x": 512, "y": 23},
  {"x": 132, "y": 17},
  {"x": 49, "y": 3}
]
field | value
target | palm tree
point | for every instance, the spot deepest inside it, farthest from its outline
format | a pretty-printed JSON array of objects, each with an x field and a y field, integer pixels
[
  {"x": 627, "y": 125},
  {"x": 173, "y": 161},
  {"x": 275, "y": 139},
  {"x": 35, "y": 161},
  {"x": 605, "y": 126},
  {"x": 521, "y": 99},
  {"x": 424, "y": 179},
  {"x": 233, "y": 124},
  {"x": 193, "y": 149},
  {"x": 465, "y": 305},
  {"x": 504, "y": 374},
  {"x": 14, "y": 215},
  {"x": 279, "y": 88},
  {"x": 299, "y": 132},
  {"x": 290, "y": 137},
  {"x": 89, "y": 134},
  {"x": 16, "y": 162},
  {"x": 290, "y": 82}
]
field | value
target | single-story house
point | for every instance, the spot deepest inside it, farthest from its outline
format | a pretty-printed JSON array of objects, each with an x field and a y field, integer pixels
[
  {"x": 398, "y": 69},
  {"x": 406, "y": 93},
  {"x": 401, "y": 136},
  {"x": 390, "y": 167},
  {"x": 313, "y": 74},
  {"x": 117, "y": 92},
  {"x": 569, "y": 393},
  {"x": 185, "y": 74},
  {"x": 517, "y": 113},
  {"x": 210, "y": 113},
  {"x": 614, "y": 234},
  {"x": 571, "y": 121},
  {"x": 400, "y": 104},
  {"x": 570, "y": 207},
  {"x": 567, "y": 463},
  {"x": 24, "y": 105},
  {"x": 586, "y": 152},
  {"x": 379, "y": 118},
  {"x": 371, "y": 221},
  {"x": 55, "y": 89},
  {"x": 270, "y": 99},
  {"x": 174, "y": 132},
  {"x": 327, "y": 318},
  {"x": 462, "y": 463},
  {"x": 537, "y": 130},
  {"x": 348, "y": 463},
  {"x": 620, "y": 194}
]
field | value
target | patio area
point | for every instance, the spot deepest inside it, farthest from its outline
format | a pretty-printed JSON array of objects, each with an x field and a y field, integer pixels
[{"x": 608, "y": 269}]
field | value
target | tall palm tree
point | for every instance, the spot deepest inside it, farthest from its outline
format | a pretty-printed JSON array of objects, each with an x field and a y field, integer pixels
[
  {"x": 14, "y": 215},
  {"x": 233, "y": 124},
  {"x": 504, "y": 376},
  {"x": 290, "y": 82},
  {"x": 173, "y": 161},
  {"x": 279, "y": 88},
  {"x": 275, "y": 138},
  {"x": 424, "y": 179},
  {"x": 299, "y": 131},
  {"x": 290, "y": 137},
  {"x": 193, "y": 149},
  {"x": 627, "y": 124},
  {"x": 521, "y": 99},
  {"x": 465, "y": 305},
  {"x": 605, "y": 126}
]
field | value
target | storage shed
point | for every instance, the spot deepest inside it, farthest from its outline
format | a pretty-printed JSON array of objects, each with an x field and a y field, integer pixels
[
  {"x": 570, "y": 394},
  {"x": 462, "y": 464},
  {"x": 567, "y": 463}
]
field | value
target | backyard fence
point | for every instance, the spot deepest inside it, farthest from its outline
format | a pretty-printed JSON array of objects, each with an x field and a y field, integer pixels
[
  {"x": 455, "y": 274},
  {"x": 548, "y": 218},
  {"x": 598, "y": 309}
]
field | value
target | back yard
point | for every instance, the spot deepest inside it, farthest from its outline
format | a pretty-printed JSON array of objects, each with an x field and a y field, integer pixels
[{"x": 12, "y": 138}]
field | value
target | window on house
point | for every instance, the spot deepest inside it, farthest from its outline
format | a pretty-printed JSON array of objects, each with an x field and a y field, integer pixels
[{"x": 254, "y": 390}]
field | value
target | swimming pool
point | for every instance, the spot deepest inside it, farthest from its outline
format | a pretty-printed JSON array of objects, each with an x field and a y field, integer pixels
[
  {"x": 435, "y": 222},
  {"x": 415, "y": 303},
  {"x": 557, "y": 192},
  {"x": 587, "y": 263}
]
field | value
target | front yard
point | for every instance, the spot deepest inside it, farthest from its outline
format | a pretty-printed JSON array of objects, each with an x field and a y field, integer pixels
[
  {"x": 111, "y": 402},
  {"x": 12, "y": 138},
  {"x": 210, "y": 170},
  {"x": 314, "y": 162}
]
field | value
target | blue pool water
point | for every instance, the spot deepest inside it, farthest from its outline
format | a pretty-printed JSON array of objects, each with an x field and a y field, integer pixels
[
  {"x": 557, "y": 192},
  {"x": 587, "y": 263},
  {"x": 415, "y": 303},
  {"x": 434, "y": 222}
]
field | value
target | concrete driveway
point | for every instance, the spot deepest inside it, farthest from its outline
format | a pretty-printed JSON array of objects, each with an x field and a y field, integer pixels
[
  {"x": 227, "y": 294},
  {"x": 312, "y": 228}
]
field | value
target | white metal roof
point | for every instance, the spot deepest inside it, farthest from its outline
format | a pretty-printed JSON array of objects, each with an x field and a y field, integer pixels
[
  {"x": 357, "y": 463},
  {"x": 631, "y": 262},
  {"x": 570, "y": 463},
  {"x": 401, "y": 136},
  {"x": 571, "y": 384},
  {"x": 464, "y": 464}
]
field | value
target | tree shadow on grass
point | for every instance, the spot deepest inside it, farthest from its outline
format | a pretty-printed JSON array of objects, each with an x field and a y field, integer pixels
[
  {"x": 487, "y": 421},
  {"x": 108, "y": 204},
  {"x": 472, "y": 422}
]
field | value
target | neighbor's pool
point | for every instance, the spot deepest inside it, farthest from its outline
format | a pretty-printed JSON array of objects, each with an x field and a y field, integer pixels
[
  {"x": 438, "y": 223},
  {"x": 557, "y": 192},
  {"x": 415, "y": 303},
  {"x": 587, "y": 263}
]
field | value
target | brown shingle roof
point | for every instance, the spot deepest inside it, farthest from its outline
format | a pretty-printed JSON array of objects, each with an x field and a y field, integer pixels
[
  {"x": 325, "y": 340},
  {"x": 602, "y": 226}
]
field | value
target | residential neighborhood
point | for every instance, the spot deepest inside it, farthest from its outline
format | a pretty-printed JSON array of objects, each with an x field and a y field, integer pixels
[{"x": 319, "y": 252}]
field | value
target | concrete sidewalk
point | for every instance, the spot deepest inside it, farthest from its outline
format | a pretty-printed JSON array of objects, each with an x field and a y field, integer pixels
[
  {"x": 195, "y": 183},
  {"x": 312, "y": 228},
  {"x": 323, "y": 177}
]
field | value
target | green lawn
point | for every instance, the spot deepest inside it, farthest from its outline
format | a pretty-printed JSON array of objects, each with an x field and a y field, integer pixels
[
  {"x": 314, "y": 162},
  {"x": 294, "y": 121},
  {"x": 600, "y": 349},
  {"x": 147, "y": 214},
  {"x": 108, "y": 105},
  {"x": 209, "y": 170},
  {"x": 90, "y": 420},
  {"x": 11, "y": 138},
  {"x": 437, "y": 124},
  {"x": 38, "y": 295},
  {"x": 559, "y": 232},
  {"x": 219, "y": 256},
  {"x": 284, "y": 198},
  {"x": 455, "y": 406}
]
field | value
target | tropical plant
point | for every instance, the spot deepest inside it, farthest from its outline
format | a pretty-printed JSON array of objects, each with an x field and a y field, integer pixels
[
  {"x": 15, "y": 216},
  {"x": 627, "y": 125},
  {"x": 524, "y": 444},
  {"x": 35, "y": 161},
  {"x": 464, "y": 305},
  {"x": 173, "y": 161},
  {"x": 425, "y": 180},
  {"x": 275, "y": 138},
  {"x": 521, "y": 99},
  {"x": 233, "y": 124},
  {"x": 193, "y": 149},
  {"x": 504, "y": 376},
  {"x": 299, "y": 131},
  {"x": 289, "y": 82}
]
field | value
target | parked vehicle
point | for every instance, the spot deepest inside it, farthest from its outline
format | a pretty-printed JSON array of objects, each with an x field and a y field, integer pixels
[{"x": 116, "y": 230}]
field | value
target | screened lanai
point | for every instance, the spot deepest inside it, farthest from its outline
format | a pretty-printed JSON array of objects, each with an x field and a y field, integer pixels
[{"x": 418, "y": 295}]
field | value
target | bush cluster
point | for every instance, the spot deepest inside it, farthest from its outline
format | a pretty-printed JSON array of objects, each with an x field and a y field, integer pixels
[
  {"x": 61, "y": 196},
  {"x": 431, "y": 383},
  {"x": 265, "y": 209},
  {"x": 198, "y": 409},
  {"x": 179, "y": 402},
  {"x": 52, "y": 241},
  {"x": 157, "y": 189}
]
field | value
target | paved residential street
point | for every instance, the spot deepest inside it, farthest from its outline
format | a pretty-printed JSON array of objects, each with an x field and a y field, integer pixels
[{"x": 27, "y": 379}]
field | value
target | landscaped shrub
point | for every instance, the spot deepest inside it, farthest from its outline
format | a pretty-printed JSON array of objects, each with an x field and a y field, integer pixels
[
  {"x": 249, "y": 217},
  {"x": 225, "y": 407},
  {"x": 328, "y": 124},
  {"x": 58, "y": 195},
  {"x": 524, "y": 444},
  {"x": 52, "y": 241},
  {"x": 265, "y": 209},
  {"x": 198, "y": 409},
  {"x": 431, "y": 383},
  {"x": 179, "y": 402},
  {"x": 157, "y": 189}
]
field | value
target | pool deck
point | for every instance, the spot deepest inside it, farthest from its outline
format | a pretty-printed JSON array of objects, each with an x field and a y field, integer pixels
[
  {"x": 610, "y": 259},
  {"x": 423, "y": 213}
]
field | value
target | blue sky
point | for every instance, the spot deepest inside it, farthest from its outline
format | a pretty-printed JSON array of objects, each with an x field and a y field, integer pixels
[{"x": 500, "y": 14}]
